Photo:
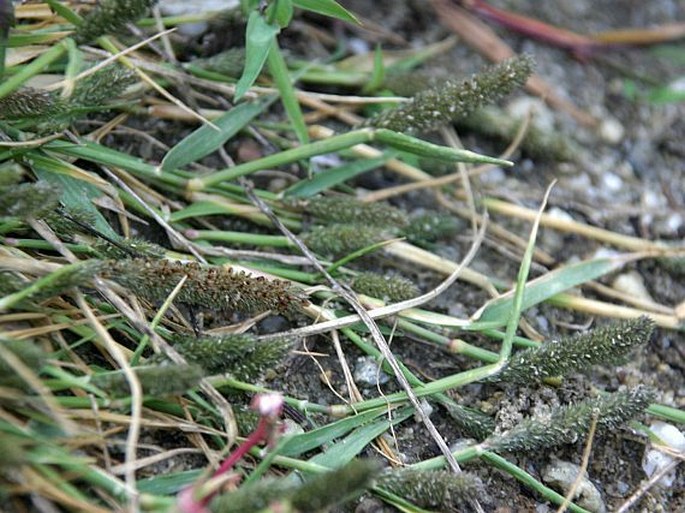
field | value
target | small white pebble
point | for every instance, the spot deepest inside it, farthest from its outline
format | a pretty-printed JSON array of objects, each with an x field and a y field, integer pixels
[
  {"x": 632, "y": 284},
  {"x": 559, "y": 213},
  {"x": 367, "y": 372},
  {"x": 611, "y": 131},
  {"x": 543, "y": 117},
  {"x": 611, "y": 182},
  {"x": 562, "y": 475},
  {"x": 655, "y": 460},
  {"x": 358, "y": 46}
]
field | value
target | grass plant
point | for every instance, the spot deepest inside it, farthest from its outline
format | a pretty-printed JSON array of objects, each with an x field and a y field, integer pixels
[{"x": 149, "y": 288}]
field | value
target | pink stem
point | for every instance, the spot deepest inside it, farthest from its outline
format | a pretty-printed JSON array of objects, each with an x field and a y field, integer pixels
[{"x": 257, "y": 436}]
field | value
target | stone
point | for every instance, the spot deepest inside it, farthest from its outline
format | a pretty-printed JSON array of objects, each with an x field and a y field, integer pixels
[{"x": 561, "y": 475}]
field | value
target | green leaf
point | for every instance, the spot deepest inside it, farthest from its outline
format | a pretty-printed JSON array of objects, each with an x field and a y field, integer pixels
[
  {"x": 279, "y": 72},
  {"x": 206, "y": 139},
  {"x": 327, "y": 8},
  {"x": 281, "y": 11},
  {"x": 335, "y": 176},
  {"x": 77, "y": 194},
  {"x": 317, "y": 437},
  {"x": 667, "y": 94},
  {"x": 348, "y": 448},
  {"x": 423, "y": 148},
  {"x": 166, "y": 484},
  {"x": 259, "y": 36},
  {"x": 542, "y": 288},
  {"x": 378, "y": 74}
]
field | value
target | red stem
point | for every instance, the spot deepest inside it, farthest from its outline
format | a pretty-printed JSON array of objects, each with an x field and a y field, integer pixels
[
  {"x": 577, "y": 43},
  {"x": 257, "y": 436}
]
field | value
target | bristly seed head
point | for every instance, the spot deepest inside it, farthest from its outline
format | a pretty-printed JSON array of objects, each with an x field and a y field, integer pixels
[
  {"x": 344, "y": 209},
  {"x": 157, "y": 380},
  {"x": 241, "y": 355},
  {"x": 605, "y": 345},
  {"x": 110, "y": 16},
  {"x": 215, "y": 288},
  {"x": 340, "y": 239},
  {"x": 438, "y": 490},
  {"x": 387, "y": 288},
  {"x": 568, "y": 424},
  {"x": 453, "y": 100}
]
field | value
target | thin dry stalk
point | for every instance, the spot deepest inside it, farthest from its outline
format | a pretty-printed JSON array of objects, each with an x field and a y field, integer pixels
[
  {"x": 583, "y": 467},
  {"x": 644, "y": 488},
  {"x": 136, "y": 400}
]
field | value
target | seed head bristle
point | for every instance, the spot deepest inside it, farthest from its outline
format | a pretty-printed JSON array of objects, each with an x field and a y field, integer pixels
[
  {"x": 387, "y": 288},
  {"x": 343, "y": 209},
  {"x": 156, "y": 380},
  {"x": 214, "y": 288},
  {"x": 242, "y": 355},
  {"x": 568, "y": 424},
  {"x": 340, "y": 239},
  {"x": 606, "y": 345},
  {"x": 437, "y": 490},
  {"x": 110, "y": 16},
  {"x": 453, "y": 100}
]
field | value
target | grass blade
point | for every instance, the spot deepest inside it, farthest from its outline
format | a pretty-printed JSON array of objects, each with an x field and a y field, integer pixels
[
  {"x": 206, "y": 139},
  {"x": 279, "y": 72},
  {"x": 552, "y": 283},
  {"x": 348, "y": 448},
  {"x": 259, "y": 37},
  {"x": 320, "y": 436},
  {"x": 335, "y": 176},
  {"x": 327, "y": 8}
]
